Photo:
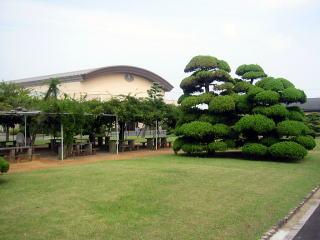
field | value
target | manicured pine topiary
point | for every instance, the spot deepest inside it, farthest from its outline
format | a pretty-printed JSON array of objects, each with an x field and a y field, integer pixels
[
  {"x": 206, "y": 104},
  {"x": 269, "y": 97},
  {"x": 220, "y": 112}
]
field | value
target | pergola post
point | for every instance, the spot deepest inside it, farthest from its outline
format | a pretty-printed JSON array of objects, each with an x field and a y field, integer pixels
[
  {"x": 156, "y": 134},
  {"x": 117, "y": 134},
  {"x": 25, "y": 130},
  {"x": 62, "y": 141}
]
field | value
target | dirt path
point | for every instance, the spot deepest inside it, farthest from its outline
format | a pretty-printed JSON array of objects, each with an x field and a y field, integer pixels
[{"x": 51, "y": 162}]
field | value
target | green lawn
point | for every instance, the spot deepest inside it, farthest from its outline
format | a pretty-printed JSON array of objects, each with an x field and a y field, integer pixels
[{"x": 164, "y": 197}]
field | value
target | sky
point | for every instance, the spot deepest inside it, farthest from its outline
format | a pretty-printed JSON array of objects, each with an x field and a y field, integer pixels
[{"x": 54, "y": 36}]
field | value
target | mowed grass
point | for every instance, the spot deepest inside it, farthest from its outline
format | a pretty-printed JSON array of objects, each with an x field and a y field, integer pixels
[{"x": 163, "y": 197}]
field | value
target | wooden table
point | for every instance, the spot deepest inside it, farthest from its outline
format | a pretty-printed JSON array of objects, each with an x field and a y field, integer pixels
[
  {"x": 80, "y": 148},
  {"x": 161, "y": 142}
]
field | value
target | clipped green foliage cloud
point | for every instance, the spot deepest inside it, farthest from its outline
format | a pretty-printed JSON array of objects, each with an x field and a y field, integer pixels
[
  {"x": 221, "y": 104},
  {"x": 257, "y": 123}
]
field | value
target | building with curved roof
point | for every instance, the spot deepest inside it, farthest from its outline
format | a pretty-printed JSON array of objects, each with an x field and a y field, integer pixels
[{"x": 101, "y": 83}]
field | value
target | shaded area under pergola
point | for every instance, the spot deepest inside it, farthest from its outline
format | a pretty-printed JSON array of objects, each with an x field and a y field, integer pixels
[{"x": 24, "y": 114}]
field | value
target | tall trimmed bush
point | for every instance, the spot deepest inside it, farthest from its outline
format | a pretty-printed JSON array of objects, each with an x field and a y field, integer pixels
[{"x": 4, "y": 165}]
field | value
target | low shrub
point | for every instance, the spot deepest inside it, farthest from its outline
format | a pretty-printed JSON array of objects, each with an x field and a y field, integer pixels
[
  {"x": 255, "y": 149},
  {"x": 4, "y": 165},
  {"x": 193, "y": 148},
  {"x": 217, "y": 146},
  {"x": 307, "y": 141},
  {"x": 287, "y": 150},
  {"x": 177, "y": 144}
]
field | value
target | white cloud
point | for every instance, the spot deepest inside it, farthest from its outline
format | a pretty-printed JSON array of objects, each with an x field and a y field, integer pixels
[
  {"x": 280, "y": 42},
  {"x": 277, "y": 4},
  {"x": 230, "y": 30}
]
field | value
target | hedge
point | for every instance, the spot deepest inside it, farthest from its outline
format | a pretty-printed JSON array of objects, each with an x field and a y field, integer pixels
[
  {"x": 255, "y": 149},
  {"x": 4, "y": 165},
  {"x": 287, "y": 150}
]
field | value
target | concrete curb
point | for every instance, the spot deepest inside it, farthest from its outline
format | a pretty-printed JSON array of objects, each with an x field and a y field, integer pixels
[{"x": 283, "y": 221}]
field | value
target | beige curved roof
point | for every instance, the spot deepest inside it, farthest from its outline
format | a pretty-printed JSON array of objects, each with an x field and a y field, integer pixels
[{"x": 88, "y": 73}]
